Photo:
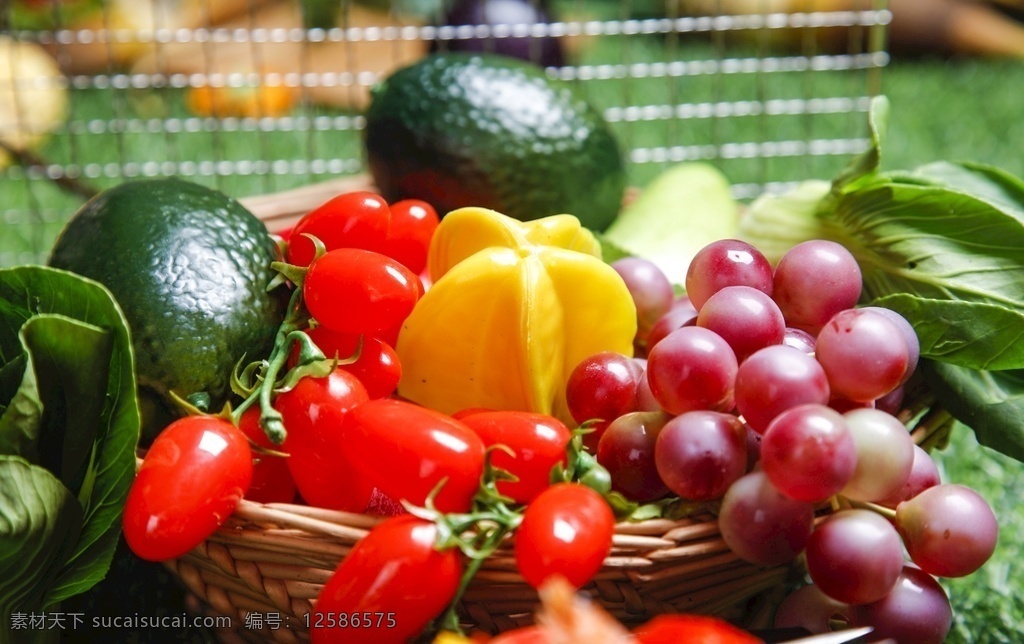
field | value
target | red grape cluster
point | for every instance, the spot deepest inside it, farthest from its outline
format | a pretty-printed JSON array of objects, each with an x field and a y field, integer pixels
[{"x": 769, "y": 392}]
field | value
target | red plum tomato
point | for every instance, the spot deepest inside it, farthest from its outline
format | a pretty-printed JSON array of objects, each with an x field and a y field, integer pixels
[
  {"x": 538, "y": 442},
  {"x": 567, "y": 530},
  {"x": 405, "y": 450},
  {"x": 351, "y": 290},
  {"x": 377, "y": 365},
  {"x": 389, "y": 587},
  {"x": 413, "y": 223},
  {"x": 191, "y": 480},
  {"x": 351, "y": 220},
  {"x": 314, "y": 411}
]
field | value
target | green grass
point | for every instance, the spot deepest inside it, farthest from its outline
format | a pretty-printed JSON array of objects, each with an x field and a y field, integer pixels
[{"x": 959, "y": 109}]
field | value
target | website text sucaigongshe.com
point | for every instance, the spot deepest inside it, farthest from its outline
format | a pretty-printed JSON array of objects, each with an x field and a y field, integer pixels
[{"x": 76, "y": 621}]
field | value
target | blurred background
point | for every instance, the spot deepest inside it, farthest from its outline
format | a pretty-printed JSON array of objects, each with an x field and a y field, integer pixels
[{"x": 261, "y": 96}]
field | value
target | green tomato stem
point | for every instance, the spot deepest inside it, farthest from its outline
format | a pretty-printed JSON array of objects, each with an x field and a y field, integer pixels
[
  {"x": 491, "y": 539},
  {"x": 271, "y": 420}
]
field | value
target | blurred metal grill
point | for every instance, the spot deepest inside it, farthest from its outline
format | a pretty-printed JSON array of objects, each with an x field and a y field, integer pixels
[{"x": 770, "y": 91}]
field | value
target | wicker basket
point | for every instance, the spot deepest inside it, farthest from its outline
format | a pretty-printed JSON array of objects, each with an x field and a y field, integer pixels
[
  {"x": 265, "y": 566},
  {"x": 273, "y": 560}
]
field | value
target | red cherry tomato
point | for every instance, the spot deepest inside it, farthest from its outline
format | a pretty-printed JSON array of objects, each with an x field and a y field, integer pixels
[
  {"x": 413, "y": 223},
  {"x": 388, "y": 588},
  {"x": 351, "y": 290},
  {"x": 192, "y": 478},
  {"x": 271, "y": 480},
  {"x": 537, "y": 440},
  {"x": 567, "y": 530},
  {"x": 351, "y": 220},
  {"x": 693, "y": 629},
  {"x": 377, "y": 366},
  {"x": 405, "y": 450},
  {"x": 314, "y": 412}
]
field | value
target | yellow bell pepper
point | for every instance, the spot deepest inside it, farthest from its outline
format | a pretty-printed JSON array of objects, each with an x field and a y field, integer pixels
[{"x": 514, "y": 307}]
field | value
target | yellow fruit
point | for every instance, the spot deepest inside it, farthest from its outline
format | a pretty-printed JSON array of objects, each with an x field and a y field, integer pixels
[
  {"x": 513, "y": 309},
  {"x": 33, "y": 96}
]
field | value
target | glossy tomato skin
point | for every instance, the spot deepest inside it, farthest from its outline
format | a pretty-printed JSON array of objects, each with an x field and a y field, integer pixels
[
  {"x": 377, "y": 365},
  {"x": 314, "y": 412},
  {"x": 567, "y": 530},
  {"x": 393, "y": 581},
  {"x": 405, "y": 450},
  {"x": 351, "y": 290},
  {"x": 413, "y": 223},
  {"x": 191, "y": 480},
  {"x": 271, "y": 479},
  {"x": 537, "y": 440},
  {"x": 351, "y": 220},
  {"x": 693, "y": 629}
]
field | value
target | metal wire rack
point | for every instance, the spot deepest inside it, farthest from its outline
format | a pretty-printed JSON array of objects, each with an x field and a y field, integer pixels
[{"x": 258, "y": 96}]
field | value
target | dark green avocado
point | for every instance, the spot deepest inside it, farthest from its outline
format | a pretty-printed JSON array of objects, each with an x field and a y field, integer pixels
[
  {"x": 189, "y": 266},
  {"x": 459, "y": 129}
]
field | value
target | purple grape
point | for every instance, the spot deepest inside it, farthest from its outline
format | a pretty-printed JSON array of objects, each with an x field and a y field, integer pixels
[
  {"x": 949, "y": 530},
  {"x": 808, "y": 453},
  {"x": 815, "y": 280},
  {"x": 916, "y": 611},
  {"x": 727, "y": 262},
  {"x": 745, "y": 317},
  {"x": 892, "y": 402},
  {"x": 699, "y": 454},
  {"x": 884, "y": 452},
  {"x": 651, "y": 290},
  {"x": 809, "y": 608},
  {"x": 762, "y": 525},
  {"x": 863, "y": 353},
  {"x": 855, "y": 556},
  {"x": 924, "y": 473},
  {"x": 692, "y": 368},
  {"x": 603, "y": 386},
  {"x": 799, "y": 339},
  {"x": 913, "y": 344},
  {"x": 627, "y": 450},
  {"x": 676, "y": 318},
  {"x": 775, "y": 379}
]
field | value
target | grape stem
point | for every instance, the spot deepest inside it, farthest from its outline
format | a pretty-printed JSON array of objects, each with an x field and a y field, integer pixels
[
  {"x": 888, "y": 513},
  {"x": 934, "y": 428}
]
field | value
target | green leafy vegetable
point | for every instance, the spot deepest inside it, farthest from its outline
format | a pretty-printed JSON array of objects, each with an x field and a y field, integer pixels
[
  {"x": 950, "y": 257},
  {"x": 72, "y": 413},
  {"x": 776, "y": 223},
  {"x": 990, "y": 402},
  {"x": 1001, "y": 188},
  {"x": 67, "y": 394},
  {"x": 39, "y": 522}
]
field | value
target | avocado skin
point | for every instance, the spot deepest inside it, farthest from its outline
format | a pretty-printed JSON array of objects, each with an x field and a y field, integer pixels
[
  {"x": 189, "y": 267},
  {"x": 460, "y": 129}
]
